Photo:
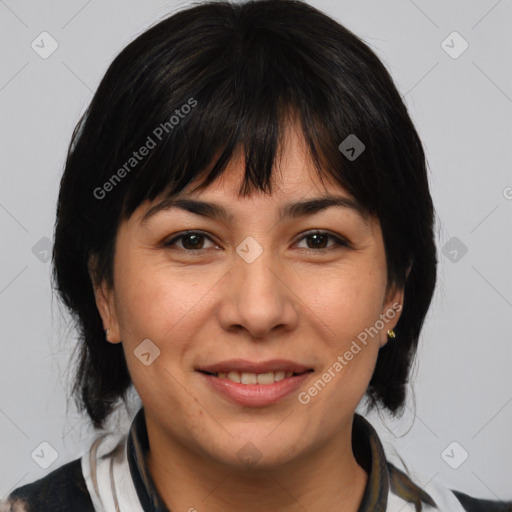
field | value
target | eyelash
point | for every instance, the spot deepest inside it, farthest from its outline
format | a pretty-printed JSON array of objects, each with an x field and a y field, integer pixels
[{"x": 339, "y": 242}]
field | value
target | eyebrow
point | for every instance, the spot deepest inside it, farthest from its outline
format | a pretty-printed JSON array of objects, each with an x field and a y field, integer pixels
[{"x": 289, "y": 210}]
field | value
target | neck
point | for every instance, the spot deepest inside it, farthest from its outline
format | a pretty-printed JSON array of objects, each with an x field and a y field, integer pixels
[{"x": 327, "y": 477}]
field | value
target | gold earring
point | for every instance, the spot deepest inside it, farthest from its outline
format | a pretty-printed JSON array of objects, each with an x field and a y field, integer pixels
[{"x": 391, "y": 334}]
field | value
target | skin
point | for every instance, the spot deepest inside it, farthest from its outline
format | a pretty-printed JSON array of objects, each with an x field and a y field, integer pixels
[{"x": 209, "y": 306}]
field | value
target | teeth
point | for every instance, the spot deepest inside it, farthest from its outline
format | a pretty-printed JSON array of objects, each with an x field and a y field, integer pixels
[
  {"x": 234, "y": 376},
  {"x": 253, "y": 378},
  {"x": 248, "y": 378},
  {"x": 279, "y": 376},
  {"x": 265, "y": 378}
]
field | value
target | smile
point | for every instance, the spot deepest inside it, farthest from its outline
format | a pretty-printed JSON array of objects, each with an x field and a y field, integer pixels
[
  {"x": 255, "y": 378},
  {"x": 255, "y": 384}
]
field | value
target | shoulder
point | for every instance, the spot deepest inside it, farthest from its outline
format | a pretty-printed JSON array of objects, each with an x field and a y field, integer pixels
[
  {"x": 63, "y": 489},
  {"x": 435, "y": 497}
]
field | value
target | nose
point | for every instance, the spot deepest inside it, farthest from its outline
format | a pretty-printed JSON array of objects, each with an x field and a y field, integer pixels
[{"x": 258, "y": 297}]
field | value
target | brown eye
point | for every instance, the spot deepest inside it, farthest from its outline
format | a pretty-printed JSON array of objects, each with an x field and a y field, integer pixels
[
  {"x": 317, "y": 241},
  {"x": 192, "y": 241}
]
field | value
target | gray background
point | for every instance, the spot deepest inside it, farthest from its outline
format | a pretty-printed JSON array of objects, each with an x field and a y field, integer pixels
[{"x": 462, "y": 108}]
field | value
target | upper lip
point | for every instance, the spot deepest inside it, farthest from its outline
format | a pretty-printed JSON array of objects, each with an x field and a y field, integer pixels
[{"x": 243, "y": 366}]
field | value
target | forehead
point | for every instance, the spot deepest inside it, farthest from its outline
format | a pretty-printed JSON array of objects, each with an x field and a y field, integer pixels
[
  {"x": 294, "y": 172},
  {"x": 296, "y": 187},
  {"x": 210, "y": 206}
]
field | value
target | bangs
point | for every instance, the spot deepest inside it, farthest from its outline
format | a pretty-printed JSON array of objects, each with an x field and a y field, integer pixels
[
  {"x": 208, "y": 143},
  {"x": 196, "y": 106}
]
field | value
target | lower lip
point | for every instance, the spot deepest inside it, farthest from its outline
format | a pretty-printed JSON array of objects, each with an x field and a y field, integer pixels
[{"x": 256, "y": 394}]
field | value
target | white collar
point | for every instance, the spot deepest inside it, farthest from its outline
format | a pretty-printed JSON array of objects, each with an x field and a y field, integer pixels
[
  {"x": 107, "y": 475},
  {"x": 106, "y": 471}
]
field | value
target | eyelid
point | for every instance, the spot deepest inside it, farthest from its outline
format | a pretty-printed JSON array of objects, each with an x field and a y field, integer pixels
[
  {"x": 183, "y": 234},
  {"x": 340, "y": 240}
]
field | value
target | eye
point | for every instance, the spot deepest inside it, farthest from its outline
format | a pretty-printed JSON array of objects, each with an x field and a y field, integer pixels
[
  {"x": 191, "y": 241},
  {"x": 320, "y": 238}
]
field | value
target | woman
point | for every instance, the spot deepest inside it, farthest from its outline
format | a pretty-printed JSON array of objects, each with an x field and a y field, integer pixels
[{"x": 244, "y": 233}]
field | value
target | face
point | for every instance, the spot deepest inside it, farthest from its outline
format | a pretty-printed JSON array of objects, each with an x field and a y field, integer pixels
[{"x": 297, "y": 290}]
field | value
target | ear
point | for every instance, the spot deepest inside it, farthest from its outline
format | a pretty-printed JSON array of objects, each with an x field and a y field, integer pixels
[
  {"x": 105, "y": 302},
  {"x": 391, "y": 311}
]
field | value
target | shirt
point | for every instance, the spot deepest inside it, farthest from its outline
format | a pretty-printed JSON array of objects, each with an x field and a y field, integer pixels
[{"x": 113, "y": 476}]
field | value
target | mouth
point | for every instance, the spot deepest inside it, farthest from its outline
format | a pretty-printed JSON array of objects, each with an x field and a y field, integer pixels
[
  {"x": 255, "y": 389},
  {"x": 264, "y": 379},
  {"x": 255, "y": 384}
]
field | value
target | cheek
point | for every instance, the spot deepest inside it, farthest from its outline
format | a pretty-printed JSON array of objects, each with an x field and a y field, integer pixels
[
  {"x": 153, "y": 303},
  {"x": 347, "y": 301},
  {"x": 347, "y": 307},
  {"x": 156, "y": 302}
]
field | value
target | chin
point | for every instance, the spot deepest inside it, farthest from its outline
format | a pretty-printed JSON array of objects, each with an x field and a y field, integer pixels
[{"x": 258, "y": 451}]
